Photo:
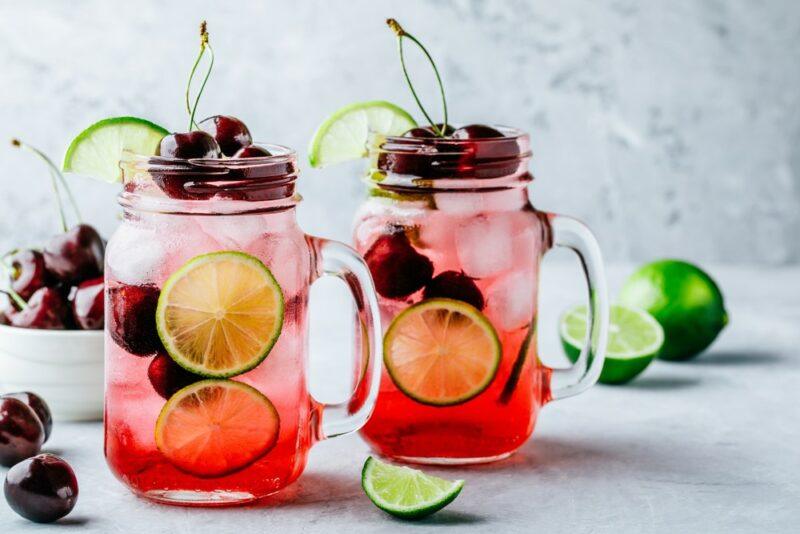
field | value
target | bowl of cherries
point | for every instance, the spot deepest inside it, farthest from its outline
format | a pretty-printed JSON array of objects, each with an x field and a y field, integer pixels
[{"x": 52, "y": 315}]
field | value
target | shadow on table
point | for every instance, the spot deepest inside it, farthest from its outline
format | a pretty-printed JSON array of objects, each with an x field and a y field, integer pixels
[
  {"x": 662, "y": 382},
  {"x": 733, "y": 358}
]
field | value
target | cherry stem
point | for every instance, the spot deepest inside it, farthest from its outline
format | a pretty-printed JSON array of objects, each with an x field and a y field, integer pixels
[
  {"x": 401, "y": 33},
  {"x": 10, "y": 293},
  {"x": 192, "y": 108},
  {"x": 55, "y": 176}
]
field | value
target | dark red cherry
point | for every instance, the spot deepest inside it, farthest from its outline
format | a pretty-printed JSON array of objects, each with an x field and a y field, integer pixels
[
  {"x": 230, "y": 133},
  {"x": 75, "y": 255},
  {"x": 427, "y": 131},
  {"x": 21, "y": 432},
  {"x": 132, "y": 318},
  {"x": 27, "y": 272},
  {"x": 397, "y": 268},
  {"x": 87, "y": 304},
  {"x": 252, "y": 151},
  {"x": 38, "y": 405},
  {"x": 41, "y": 489},
  {"x": 476, "y": 131},
  {"x": 167, "y": 377},
  {"x": 46, "y": 310},
  {"x": 190, "y": 145},
  {"x": 454, "y": 285}
]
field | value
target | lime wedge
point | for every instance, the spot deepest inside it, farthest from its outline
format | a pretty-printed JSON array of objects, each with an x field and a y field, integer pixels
[
  {"x": 635, "y": 338},
  {"x": 97, "y": 150},
  {"x": 343, "y": 136},
  {"x": 441, "y": 352},
  {"x": 405, "y": 492},
  {"x": 220, "y": 314}
]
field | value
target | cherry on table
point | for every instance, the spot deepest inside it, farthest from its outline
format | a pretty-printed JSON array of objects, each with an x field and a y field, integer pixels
[
  {"x": 397, "y": 268},
  {"x": 476, "y": 131},
  {"x": 252, "y": 151},
  {"x": 230, "y": 133},
  {"x": 41, "y": 489},
  {"x": 75, "y": 255},
  {"x": 28, "y": 272},
  {"x": 454, "y": 285},
  {"x": 87, "y": 304},
  {"x": 38, "y": 405},
  {"x": 46, "y": 310},
  {"x": 167, "y": 377},
  {"x": 132, "y": 318},
  {"x": 21, "y": 432},
  {"x": 189, "y": 145}
]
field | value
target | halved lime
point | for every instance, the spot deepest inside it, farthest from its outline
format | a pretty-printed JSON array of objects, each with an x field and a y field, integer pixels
[
  {"x": 684, "y": 299},
  {"x": 441, "y": 352},
  {"x": 634, "y": 339},
  {"x": 220, "y": 314},
  {"x": 343, "y": 136},
  {"x": 97, "y": 150},
  {"x": 405, "y": 492},
  {"x": 216, "y": 427}
]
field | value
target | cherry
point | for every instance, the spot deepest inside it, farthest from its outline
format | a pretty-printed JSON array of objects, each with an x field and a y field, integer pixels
[
  {"x": 476, "y": 131},
  {"x": 21, "y": 432},
  {"x": 167, "y": 377},
  {"x": 230, "y": 133},
  {"x": 87, "y": 303},
  {"x": 75, "y": 255},
  {"x": 27, "y": 272},
  {"x": 427, "y": 131},
  {"x": 190, "y": 145},
  {"x": 252, "y": 151},
  {"x": 41, "y": 489},
  {"x": 132, "y": 318},
  {"x": 46, "y": 310},
  {"x": 397, "y": 268},
  {"x": 454, "y": 285},
  {"x": 38, "y": 405}
]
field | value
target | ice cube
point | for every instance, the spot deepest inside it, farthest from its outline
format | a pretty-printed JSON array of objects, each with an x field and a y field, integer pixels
[
  {"x": 135, "y": 254},
  {"x": 232, "y": 232},
  {"x": 484, "y": 245},
  {"x": 511, "y": 299}
]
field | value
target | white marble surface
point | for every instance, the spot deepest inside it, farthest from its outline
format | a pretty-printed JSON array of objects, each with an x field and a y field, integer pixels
[
  {"x": 652, "y": 121},
  {"x": 707, "y": 446}
]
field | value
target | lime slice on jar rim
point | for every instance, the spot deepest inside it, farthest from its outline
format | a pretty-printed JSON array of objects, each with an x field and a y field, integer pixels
[
  {"x": 97, "y": 150},
  {"x": 343, "y": 136},
  {"x": 635, "y": 339},
  {"x": 220, "y": 314},
  {"x": 404, "y": 492}
]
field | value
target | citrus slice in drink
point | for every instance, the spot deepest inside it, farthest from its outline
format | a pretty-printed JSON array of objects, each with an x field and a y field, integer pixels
[
  {"x": 216, "y": 427},
  {"x": 441, "y": 352},
  {"x": 404, "y": 492},
  {"x": 634, "y": 339},
  {"x": 344, "y": 135},
  {"x": 220, "y": 314},
  {"x": 97, "y": 150}
]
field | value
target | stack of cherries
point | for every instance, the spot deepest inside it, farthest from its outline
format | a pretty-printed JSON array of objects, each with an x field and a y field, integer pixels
[
  {"x": 61, "y": 286},
  {"x": 39, "y": 487}
]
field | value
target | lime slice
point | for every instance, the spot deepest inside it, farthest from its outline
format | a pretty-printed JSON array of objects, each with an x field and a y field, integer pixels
[
  {"x": 216, "y": 427},
  {"x": 343, "y": 136},
  {"x": 97, "y": 150},
  {"x": 441, "y": 352},
  {"x": 634, "y": 339},
  {"x": 220, "y": 314},
  {"x": 684, "y": 299},
  {"x": 405, "y": 492}
]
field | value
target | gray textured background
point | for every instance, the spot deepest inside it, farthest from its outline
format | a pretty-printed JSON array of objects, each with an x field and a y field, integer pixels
[{"x": 672, "y": 128}]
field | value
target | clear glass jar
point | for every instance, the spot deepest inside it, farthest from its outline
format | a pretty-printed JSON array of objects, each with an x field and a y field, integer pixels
[
  {"x": 450, "y": 220},
  {"x": 239, "y": 438}
]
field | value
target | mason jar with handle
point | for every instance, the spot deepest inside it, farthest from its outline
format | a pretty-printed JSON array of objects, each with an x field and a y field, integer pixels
[
  {"x": 207, "y": 282},
  {"x": 454, "y": 246}
]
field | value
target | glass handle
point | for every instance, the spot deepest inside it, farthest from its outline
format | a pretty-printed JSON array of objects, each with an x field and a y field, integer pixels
[
  {"x": 338, "y": 260},
  {"x": 574, "y": 235}
]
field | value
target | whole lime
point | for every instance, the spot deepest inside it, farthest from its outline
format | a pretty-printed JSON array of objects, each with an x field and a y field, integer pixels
[{"x": 684, "y": 299}]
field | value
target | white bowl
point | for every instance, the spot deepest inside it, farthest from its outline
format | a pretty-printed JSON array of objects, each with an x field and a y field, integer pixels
[{"x": 64, "y": 367}]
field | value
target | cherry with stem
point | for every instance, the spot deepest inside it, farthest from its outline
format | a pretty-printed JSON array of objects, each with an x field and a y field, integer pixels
[{"x": 440, "y": 131}]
